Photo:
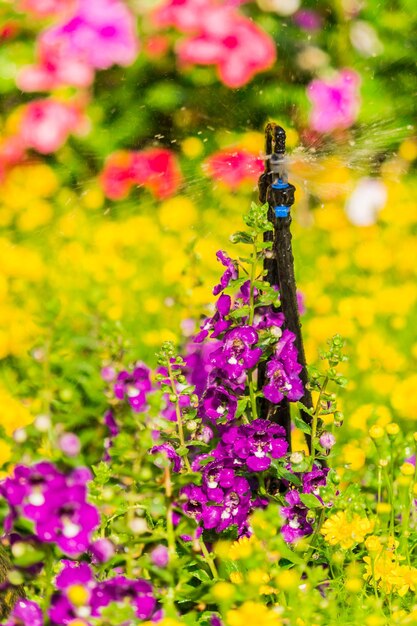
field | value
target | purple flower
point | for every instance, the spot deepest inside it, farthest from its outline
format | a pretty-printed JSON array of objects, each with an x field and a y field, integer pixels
[
  {"x": 312, "y": 481},
  {"x": 168, "y": 450},
  {"x": 335, "y": 101},
  {"x": 134, "y": 386},
  {"x": 253, "y": 444},
  {"x": 198, "y": 364},
  {"x": 160, "y": 556},
  {"x": 217, "y": 404},
  {"x": 119, "y": 589},
  {"x": 297, "y": 525},
  {"x": 25, "y": 613},
  {"x": 236, "y": 355},
  {"x": 230, "y": 273},
  {"x": 218, "y": 324},
  {"x": 282, "y": 371}
]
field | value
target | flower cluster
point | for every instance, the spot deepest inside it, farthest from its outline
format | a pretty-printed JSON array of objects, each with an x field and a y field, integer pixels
[{"x": 55, "y": 502}]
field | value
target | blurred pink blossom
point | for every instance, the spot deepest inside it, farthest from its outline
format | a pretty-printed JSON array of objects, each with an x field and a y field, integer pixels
[
  {"x": 219, "y": 35},
  {"x": 100, "y": 32},
  {"x": 188, "y": 15},
  {"x": 54, "y": 69},
  {"x": 234, "y": 167},
  {"x": 336, "y": 101},
  {"x": 46, "y": 124},
  {"x": 238, "y": 47}
]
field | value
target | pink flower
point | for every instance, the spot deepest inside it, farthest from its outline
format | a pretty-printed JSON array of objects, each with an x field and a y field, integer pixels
[
  {"x": 335, "y": 102},
  {"x": 117, "y": 176},
  {"x": 100, "y": 33},
  {"x": 188, "y": 15},
  {"x": 46, "y": 124},
  {"x": 238, "y": 47},
  {"x": 185, "y": 15},
  {"x": 234, "y": 167},
  {"x": 54, "y": 69},
  {"x": 155, "y": 169}
]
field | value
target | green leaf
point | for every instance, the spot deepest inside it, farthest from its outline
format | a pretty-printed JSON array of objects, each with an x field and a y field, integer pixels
[
  {"x": 241, "y": 237},
  {"x": 310, "y": 501},
  {"x": 300, "y": 423}
]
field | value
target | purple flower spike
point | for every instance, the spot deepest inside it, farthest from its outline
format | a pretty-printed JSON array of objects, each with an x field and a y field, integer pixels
[
  {"x": 25, "y": 613},
  {"x": 170, "y": 453},
  {"x": 283, "y": 372},
  {"x": 237, "y": 354},
  {"x": 231, "y": 272},
  {"x": 218, "y": 404}
]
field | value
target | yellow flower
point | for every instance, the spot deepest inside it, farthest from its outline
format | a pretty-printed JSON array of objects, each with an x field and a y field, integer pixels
[
  {"x": 354, "y": 455},
  {"x": 178, "y": 213},
  {"x": 253, "y": 613},
  {"x": 346, "y": 531},
  {"x": 14, "y": 414},
  {"x": 223, "y": 591},
  {"x": 243, "y": 548}
]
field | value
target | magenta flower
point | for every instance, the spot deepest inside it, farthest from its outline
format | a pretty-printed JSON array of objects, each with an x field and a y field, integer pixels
[
  {"x": 237, "y": 354},
  {"x": 25, "y": 613},
  {"x": 296, "y": 525},
  {"x": 231, "y": 273},
  {"x": 218, "y": 404},
  {"x": 282, "y": 372},
  {"x": 335, "y": 101},
  {"x": 55, "y": 502},
  {"x": 216, "y": 324},
  {"x": 168, "y": 450},
  {"x": 237, "y": 46},
  {"x": 253, "y": 444},
  {"x": 134, "y": 386},
  {"x": 100, "y": 33}
]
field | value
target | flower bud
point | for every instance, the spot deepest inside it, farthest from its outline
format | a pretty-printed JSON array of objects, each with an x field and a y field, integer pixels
[
  {"x": 160, "y": 556},
  {"x": 392, "y": 430},
  {"x": 376, "y": 432}
]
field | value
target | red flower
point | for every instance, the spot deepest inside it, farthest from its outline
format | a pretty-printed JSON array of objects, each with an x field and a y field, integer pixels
[
  {"x": 156, "y": 169},
  {"x": 234, "y": 167}
]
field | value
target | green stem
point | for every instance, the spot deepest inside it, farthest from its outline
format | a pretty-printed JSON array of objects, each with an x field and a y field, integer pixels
[
  {"x": 315, "y": 420},
  {"x": 178, "y": 415},
  {"x": 252, "y": 397},
  {"x": 48, "y": 588},
  {"x": 209, "y": 560}
]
